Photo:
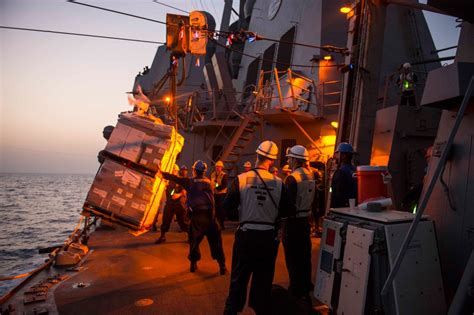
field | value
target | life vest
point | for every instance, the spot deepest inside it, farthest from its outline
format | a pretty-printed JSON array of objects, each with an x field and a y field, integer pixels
[
  {"x": 216, "y": 180},
  {"x": 257, "y": 210},
  {"x": 306, "y": 189},
  {"x": 200, "y": 194},
  {"x": 407, "y": 81}
]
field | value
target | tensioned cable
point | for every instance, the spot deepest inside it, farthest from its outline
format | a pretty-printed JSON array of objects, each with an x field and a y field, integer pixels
[
  {"x": 170, "y": 6},
  {"x": 326, "y": 47},
  {"x": 274, "y": 62},
  {"x": 118, "y": 12},
  {"x": 80, "y": 34}
]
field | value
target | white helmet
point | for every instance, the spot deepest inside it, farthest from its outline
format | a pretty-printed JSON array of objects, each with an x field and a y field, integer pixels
[
  {"x": 406, "y": 65},
  {"x": 268, "y": 149},
  {"x": 298, "y": 152}
]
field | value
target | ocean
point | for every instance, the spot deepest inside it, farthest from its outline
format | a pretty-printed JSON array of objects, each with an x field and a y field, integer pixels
[{"x": 36, "y": 211}]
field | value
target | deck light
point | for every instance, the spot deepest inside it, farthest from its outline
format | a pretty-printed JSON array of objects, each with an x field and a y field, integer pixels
[
  {"x": 168, "y": 99},
  {"x": 345, "y": 9},
  {"x": 334, "y": 124},
  {"x": 328, "y": 57}
]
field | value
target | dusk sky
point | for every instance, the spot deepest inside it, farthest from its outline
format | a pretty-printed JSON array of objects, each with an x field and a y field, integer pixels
[{"x": 58, "y": 91}]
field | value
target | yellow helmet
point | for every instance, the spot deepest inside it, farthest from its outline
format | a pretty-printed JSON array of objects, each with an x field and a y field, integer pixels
[{"x": 220, "y": 163}]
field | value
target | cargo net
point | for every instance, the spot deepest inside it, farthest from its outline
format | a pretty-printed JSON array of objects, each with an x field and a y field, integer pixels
[{"x": 126, "y": 189}]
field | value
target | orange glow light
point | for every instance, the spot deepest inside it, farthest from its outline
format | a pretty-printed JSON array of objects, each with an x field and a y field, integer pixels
[
  {"x": 345, "y": 9},
  {"x": 335, "y": 124},
  {"x": 168, "y": 99},
  {"x": 327, "y": 57}
]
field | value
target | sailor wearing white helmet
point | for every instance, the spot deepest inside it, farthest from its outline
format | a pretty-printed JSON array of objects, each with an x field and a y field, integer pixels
[
  {"x": 257, "y": 197},
  {"x": 300, "y": 186},
  {"x": 406, "y": 81}
]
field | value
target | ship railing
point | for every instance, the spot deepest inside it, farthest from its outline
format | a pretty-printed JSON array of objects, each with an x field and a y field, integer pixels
[{"x": 293, "y": 84}]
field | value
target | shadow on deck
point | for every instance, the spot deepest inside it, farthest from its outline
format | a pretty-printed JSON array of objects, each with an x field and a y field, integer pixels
[{"x": 131, "y": 275}]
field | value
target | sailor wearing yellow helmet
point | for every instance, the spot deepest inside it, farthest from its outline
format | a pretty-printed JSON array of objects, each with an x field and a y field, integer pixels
[{"x": 219, "y": 188}]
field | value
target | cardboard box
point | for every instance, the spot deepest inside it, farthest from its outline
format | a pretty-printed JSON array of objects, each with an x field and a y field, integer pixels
[
  {"x": 124, "y": 194},
  {"x": 117, "y": 139}
]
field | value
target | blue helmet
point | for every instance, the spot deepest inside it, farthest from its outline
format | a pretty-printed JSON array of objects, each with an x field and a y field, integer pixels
[
  {"x": 344, "y": 147},
  {"x": 200, "y": 165}
]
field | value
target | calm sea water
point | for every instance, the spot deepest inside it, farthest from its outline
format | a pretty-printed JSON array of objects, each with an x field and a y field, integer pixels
[{"x": 36, "y": 211}]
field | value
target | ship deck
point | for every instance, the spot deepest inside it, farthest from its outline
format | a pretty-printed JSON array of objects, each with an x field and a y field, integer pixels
[{"x": 124, "y": 274}]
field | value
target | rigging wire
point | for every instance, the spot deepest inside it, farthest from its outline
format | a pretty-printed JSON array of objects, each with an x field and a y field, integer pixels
[
  {"x": 80, "y": 34},
  {"x": 275, "y": 61},
  {"x": 329, "y": 48},
  {"x": 170, "y": 6},
  {"x": 118, "y": 12}
]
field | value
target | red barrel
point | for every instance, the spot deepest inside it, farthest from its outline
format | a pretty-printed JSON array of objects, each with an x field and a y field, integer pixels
[{"x": 370, "y": 182}]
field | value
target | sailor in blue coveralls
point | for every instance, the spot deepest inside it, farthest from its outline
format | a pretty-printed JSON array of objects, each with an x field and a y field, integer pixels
[
  {"x": 201, "y": 210},
  {"x": 343, "y": 185}
]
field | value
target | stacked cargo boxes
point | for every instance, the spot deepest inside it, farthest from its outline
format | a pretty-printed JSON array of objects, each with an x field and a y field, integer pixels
[{"x": 126, "y": 189}]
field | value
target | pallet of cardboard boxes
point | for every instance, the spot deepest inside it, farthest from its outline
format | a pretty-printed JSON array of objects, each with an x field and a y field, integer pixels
[{"x": 126, "y": 189}]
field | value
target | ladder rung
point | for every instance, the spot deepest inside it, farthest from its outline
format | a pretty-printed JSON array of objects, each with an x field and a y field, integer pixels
[
  {"x": 247, "y": 129},
  {"x": 244, "y": 138},
  {"x": 234, "y": 153},
  {"x": 332, "y": 104},
  {"x": 238, "y": 146},
  {"x": 332, "y": 93}
]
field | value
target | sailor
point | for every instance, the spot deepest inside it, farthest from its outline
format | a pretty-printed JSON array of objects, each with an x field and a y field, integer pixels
[
  {"x": 219, "y": 187},
  {"x": 343, "y": 185},
  {"x": 247, "y": 166},
  {"x": 285, "y": 171},
  {"x": 200, "y": 204},
  {"x": 406, "y": 81},
  {"x": 274, "y": 170},
  {"x": 175, "y": 205},
  {"x": 256, "y": 196},
  {"x": 300, "y": 186}
]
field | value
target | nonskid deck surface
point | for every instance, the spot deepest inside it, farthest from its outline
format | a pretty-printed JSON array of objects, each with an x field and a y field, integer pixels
[{"x": 132, "y": 275}]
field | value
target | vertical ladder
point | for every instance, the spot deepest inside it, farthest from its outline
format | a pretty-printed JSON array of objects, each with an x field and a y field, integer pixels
[{"x": 240, "y": 139}]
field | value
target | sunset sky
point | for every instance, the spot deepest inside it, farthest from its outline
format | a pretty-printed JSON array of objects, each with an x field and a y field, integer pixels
[{"x": 58, "y": 92}]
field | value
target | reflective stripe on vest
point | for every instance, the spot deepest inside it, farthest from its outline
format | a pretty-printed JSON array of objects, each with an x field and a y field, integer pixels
[
  {"x": 257, "y": 210},
  {"x": 217, "y": 181},
  {"x": 306, "y": 189}
]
